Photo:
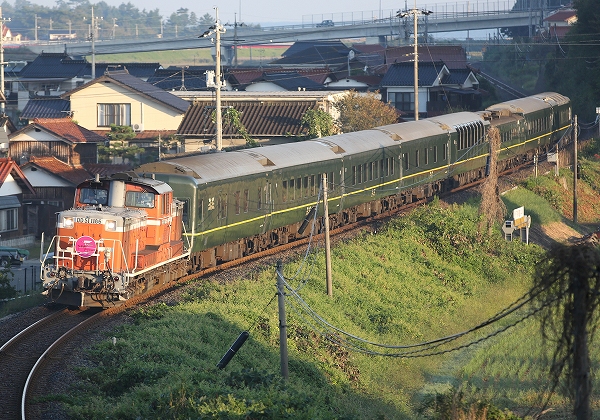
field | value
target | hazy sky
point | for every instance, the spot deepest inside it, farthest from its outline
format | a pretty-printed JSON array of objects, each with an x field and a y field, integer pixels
[{"x": 270, "y": 12}]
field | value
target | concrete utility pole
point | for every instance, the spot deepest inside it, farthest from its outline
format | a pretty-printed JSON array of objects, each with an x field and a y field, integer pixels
[
  {"x": 415, "y": 13},
  {"x": 575, "y": 169},
  {"x": 283, "y": 351},
  {"x": 93, "y": 29},
  {"x": 2, "y": 63},
  {"x": 217, "y": 29},
  {"x": 327, "y": 242}
]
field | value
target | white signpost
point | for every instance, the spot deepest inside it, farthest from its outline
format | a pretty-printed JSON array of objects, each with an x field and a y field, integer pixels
[{"x": 520, "y": 221}]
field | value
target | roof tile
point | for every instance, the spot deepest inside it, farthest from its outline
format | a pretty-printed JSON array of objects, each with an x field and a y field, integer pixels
[
  {"x": 73, "y": 174},
  {"x": 63, "y": 128},
  {"x": 261, "y": 119}
]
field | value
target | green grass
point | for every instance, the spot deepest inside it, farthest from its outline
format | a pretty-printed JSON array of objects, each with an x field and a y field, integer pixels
[
  {"x": 21, "y": 303},
  {"x": 541, "y": 210},
  {"x": 422, "y": 277}
]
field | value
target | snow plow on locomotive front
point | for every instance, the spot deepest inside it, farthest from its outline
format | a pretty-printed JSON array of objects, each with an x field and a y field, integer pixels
[{"x": 122, "y": 238}]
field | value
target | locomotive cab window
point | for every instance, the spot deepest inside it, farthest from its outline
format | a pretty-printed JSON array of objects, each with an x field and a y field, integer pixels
[
  {"x": 93, "y": 196},
  {"x": 139, "y": 199},
  {"x": 185, "y": 216}
]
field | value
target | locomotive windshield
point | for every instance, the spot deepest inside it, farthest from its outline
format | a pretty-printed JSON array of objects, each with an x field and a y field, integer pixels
[
  {"x": 139, "y": 199},
  {"x": 94, "y": 196}
]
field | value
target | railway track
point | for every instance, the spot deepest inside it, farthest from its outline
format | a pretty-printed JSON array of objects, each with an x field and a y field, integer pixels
[{"x": 25, "y": 351}]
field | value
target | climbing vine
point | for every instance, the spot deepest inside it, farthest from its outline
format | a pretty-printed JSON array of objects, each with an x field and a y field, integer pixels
[{"x": 232, "y": 117}]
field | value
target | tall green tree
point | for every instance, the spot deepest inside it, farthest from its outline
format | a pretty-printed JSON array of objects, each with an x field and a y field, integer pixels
[
  {"x": 206, "y": 20},
  {"x": 574, "y": 69}
]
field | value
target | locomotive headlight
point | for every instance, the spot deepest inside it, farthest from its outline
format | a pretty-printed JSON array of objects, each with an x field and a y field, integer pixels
[
  {"x": 110, "y": 225},
  {"x": 68, "y": 222}
]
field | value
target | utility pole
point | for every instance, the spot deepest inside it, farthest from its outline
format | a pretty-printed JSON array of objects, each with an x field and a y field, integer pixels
[
  {"x": 575, "y": 169},
  {"x": 283, "y": 352},
  {"x": 93, "y": 39},
  {"x": 35, "y": 28},
  {"x": 556, "y": 169},
  {"x": 415, "y": 13},
  {"x": 327, "y": 242},
  {"x": 2, "y": 63},
  {"x": 217, "y": 29},
  {"x": 235, "y": 46}
]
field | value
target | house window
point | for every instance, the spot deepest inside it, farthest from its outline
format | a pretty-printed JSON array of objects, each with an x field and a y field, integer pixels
[
  {"x": 118, "y": 114},
  {"x": 402, "y": 100},
  {"x": 8, "y": 219}
]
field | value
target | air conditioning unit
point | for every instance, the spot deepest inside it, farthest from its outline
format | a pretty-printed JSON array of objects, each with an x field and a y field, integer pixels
[
  {"x": 138, "y": 127},
  {"x": 3, "y": 147}
]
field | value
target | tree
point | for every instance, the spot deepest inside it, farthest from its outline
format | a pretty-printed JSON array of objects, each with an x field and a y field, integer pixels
[
  {"x": 318, "y": 123},
  {"x": 206, "y": 20},
  {"x": 7, "y": 291},
  {"x": 232, "y": 117},
  {"x": 567, "y": 287},
  {"x": 361, "y": 112},
  {"x": 492, "y": 207},
  {"x": 118, "y": 145}
]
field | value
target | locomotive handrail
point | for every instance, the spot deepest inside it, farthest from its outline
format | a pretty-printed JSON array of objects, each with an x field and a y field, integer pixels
[
  {"x": 101, "y": 243},
  {"x": 170, "y": 260}
]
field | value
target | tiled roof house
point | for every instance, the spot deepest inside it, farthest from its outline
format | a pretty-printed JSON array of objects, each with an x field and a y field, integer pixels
[
  {"x": 13, "y": 185},
  {"x": 61, "y": 138},
  {"x": 180, "y": 78},
  {"x": 122, "y": 99},
  {"x": 52, "y": 74},
  {"x": 558, "y": 24},
  {"x": 269, "y": 117},
  {"x": 54, "y": 182},
  {"x": 439, "y": 88}
]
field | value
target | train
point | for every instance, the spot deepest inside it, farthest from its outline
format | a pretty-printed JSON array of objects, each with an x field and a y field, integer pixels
[{"x": 129, "y": 232}]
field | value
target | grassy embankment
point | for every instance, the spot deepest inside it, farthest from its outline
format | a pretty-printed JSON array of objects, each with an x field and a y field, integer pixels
[{"x": 421, "y": 277}]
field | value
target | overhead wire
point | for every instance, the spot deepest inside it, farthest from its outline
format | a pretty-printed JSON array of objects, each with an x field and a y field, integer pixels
[{"x": 424, "y": 349}]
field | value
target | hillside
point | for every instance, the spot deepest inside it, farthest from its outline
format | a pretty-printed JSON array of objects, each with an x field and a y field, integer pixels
[{"x": 428, "y": 275}]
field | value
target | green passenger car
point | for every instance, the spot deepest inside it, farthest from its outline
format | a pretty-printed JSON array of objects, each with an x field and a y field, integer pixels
[{"x": 238, "y": 203}]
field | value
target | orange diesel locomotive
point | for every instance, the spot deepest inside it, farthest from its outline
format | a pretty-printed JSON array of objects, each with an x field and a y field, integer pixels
[{"x": 122, "y": 237}]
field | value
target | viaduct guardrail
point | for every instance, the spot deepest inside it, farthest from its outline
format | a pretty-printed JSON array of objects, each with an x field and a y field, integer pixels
[{"x": 445, "y": 18}]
